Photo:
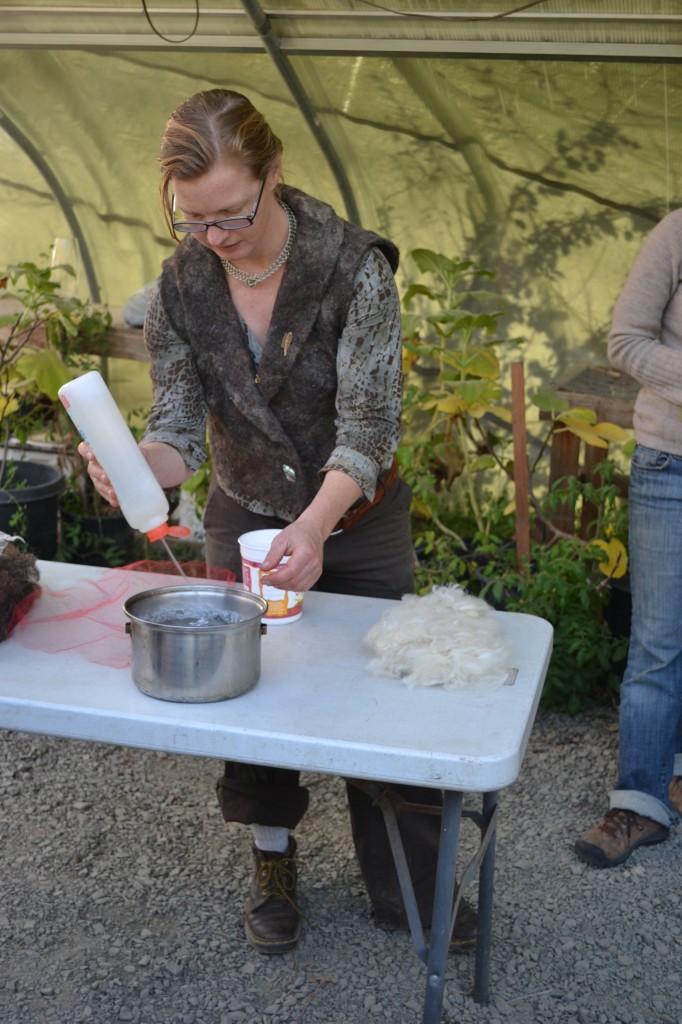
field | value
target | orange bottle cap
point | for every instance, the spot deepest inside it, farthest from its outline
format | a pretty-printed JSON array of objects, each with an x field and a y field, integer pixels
[{"x": 164, "y": 530}]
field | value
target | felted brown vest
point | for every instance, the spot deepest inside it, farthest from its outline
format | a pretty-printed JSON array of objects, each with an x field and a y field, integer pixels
[{"x": 270, "y": 439}]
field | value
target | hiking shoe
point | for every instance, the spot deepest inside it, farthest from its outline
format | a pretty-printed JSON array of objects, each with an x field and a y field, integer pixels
[
  {"x": 675, "y": 794},
  {"x": 613, "y": 840},
  {"x": 271, "y": 918}
]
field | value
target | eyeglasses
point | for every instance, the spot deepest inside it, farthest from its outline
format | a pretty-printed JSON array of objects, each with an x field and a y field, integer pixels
[{"x": 227, "y": 224}]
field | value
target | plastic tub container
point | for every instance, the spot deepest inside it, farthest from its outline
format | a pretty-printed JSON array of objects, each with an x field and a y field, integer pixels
[{"x": 283, "y": 605}]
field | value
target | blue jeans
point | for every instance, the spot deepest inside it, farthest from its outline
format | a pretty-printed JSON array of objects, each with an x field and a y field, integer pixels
[{"x": 650, "y": 728}]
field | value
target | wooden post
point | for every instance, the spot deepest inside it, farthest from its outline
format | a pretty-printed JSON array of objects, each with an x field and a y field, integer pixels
[{"x": 520, "y": 463}]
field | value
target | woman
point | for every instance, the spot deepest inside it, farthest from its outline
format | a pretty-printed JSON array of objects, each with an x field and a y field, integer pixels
[
  {"x": 277, "y": 325},
  {"x": 646, "y": 342}
]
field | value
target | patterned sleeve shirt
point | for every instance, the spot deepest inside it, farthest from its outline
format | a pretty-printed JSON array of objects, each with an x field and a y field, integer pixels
[{"x": 368, "y": 398}]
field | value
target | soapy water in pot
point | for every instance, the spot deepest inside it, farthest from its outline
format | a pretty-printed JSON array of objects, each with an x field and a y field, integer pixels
[{"x": 192, "y": 617}]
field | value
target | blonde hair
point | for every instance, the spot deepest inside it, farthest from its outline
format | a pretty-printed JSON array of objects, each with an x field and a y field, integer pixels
[{"x": 205, "y": 129}]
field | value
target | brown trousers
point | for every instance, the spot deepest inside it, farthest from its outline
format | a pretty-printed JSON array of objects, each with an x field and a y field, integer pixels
[{"x": 373, "y": 559}]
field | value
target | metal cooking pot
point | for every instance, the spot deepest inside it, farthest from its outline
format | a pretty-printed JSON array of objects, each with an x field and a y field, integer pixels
[{"x": 185, "y": 648}]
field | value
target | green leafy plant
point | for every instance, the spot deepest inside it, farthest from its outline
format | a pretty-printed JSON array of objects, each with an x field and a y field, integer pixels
[
  {"x": 457, "y": 447},
  {"x": 45, "y": 340},
  {"x": 563, "y": 585},
  {"x": 452, "y": 382},
  {"x": 568, "y": 581},
  {"x": 457, "y": 454},
  {"x": 197, "y": 487}
]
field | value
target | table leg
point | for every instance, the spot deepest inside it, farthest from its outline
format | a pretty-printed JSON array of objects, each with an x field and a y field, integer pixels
[
  {"x": 441, "y": 926},
  {"x": 404, "y": 880},
  {"x": 448, "y": 893},
  {"x": 485, "y": 900},
  {"x": 387, "y": 801}
]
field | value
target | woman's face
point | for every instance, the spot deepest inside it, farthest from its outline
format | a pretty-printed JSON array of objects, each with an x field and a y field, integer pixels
[{"x": 228, "y": 190}]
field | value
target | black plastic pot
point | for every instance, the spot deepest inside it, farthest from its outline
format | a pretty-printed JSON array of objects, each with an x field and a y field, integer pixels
[{"x": 29, "y": 504}]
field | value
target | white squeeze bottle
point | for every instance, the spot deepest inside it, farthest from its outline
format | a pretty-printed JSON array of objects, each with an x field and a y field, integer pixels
[{"x": 94, "y": 412}]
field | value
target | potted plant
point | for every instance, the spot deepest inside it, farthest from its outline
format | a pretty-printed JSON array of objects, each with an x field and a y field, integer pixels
[
  {"x": 457, "y": 453},
  {"x": 92, "y": 532},
  {"x": 44, "y": 340}
]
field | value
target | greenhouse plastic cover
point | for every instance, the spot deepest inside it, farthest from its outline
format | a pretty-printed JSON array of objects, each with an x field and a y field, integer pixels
[{"x": 540, "y": 140}]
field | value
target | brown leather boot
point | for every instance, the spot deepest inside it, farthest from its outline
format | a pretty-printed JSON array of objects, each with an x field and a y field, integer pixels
[
  {"x": 613, "y": 839},
  {"x": 675, "y": 794},
  {"x": 271, "y": 918}
]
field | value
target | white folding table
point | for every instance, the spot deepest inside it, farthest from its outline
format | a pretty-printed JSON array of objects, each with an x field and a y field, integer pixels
[{"x": 316, "y": 708}]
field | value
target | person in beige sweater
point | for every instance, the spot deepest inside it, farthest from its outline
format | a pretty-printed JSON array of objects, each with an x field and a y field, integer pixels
[{"x": 646, "y": 342}]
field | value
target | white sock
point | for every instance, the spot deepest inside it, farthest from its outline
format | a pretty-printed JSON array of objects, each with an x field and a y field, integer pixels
[{"x": 271, "y": 838}]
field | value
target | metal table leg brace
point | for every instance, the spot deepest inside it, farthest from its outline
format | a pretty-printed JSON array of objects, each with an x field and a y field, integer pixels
[{"x": 448, "y": 892}]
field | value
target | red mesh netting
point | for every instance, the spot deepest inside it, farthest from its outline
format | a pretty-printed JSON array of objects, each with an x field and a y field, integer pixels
[
  {"x": 88, "y": 616},
  {"x": 20, "y": 611}
]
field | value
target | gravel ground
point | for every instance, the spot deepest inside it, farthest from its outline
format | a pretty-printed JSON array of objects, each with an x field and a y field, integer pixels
[{"x": 122, "y": 891}]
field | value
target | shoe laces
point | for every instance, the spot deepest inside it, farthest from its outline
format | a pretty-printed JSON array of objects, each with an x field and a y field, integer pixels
[
  {"x": 618, "y": 818},
  {"x": 277, "y": 876},
  {"x": 276, "y": 879}
]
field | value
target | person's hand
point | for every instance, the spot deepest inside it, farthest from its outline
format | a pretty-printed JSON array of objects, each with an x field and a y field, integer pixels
[
  {"x": 303, "y": 542},
  {"x": 100, "y": 480}
]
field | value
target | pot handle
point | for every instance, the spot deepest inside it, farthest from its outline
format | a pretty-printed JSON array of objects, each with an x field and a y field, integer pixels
[
  {"x": 263, "y": 628},
  {"x": 129, "y": 628}
]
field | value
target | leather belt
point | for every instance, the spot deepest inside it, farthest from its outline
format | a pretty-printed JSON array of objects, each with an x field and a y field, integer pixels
[{"x": 356, "y": 512}]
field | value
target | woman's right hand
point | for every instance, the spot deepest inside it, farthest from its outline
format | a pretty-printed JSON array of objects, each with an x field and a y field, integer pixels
[{"x": 100, "y": 480}]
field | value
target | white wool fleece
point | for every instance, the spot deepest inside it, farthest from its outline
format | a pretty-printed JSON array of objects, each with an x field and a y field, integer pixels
[{"x": 446, "y": 638}]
